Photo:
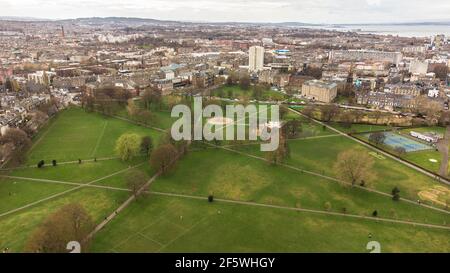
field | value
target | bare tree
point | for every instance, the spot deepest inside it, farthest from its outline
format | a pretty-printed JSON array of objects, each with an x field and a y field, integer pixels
[
  {"x": 164, "y": 157},
  {"x": 377, "y": 138},
  {"x": 328, "y": 112},
  {"x": 70, "y": 223},
  {"x": 19, "y": 143},
  {"x": 279, "y": 155},
  {"x": 354, "y": 166},
  {"x": 377, "y": 115},
  {"x": 135, "y": 180}
]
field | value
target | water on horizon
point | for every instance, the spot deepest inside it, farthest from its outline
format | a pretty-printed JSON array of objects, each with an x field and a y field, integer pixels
[{"x": 400, "y": 30}]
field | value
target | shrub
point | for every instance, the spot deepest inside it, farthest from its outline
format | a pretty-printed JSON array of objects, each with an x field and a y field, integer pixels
[
  {"x": 395, "y": 194},
  {"x": 41, "y": 164}
]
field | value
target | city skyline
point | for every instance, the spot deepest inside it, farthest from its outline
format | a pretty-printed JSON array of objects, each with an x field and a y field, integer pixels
[{"x": 314, "y": 12}]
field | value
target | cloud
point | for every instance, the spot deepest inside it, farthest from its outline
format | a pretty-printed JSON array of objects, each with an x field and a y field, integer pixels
[
  {"x": 312, "y": 11},
  {"x": 373, "y": 2}
]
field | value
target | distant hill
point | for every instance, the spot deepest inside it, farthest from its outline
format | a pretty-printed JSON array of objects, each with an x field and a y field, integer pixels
[
  {"x": 134, "y": 21},
  {"x": 23, "y": 19}
]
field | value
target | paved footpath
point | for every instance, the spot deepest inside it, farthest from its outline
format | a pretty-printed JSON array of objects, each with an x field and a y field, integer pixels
[
  {"x": 430, "y": 174},
  {"x": 443, "y": 146},
  {"x": 80, "y": 186},
  {"x": 376, "y": 219},
  {"x": 332, "y": 179}
]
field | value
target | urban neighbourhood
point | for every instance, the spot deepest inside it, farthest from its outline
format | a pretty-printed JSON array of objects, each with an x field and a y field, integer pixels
[{"x": 85, "y": 116}]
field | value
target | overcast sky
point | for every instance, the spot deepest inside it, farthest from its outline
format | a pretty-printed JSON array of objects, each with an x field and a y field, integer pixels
[{"x": 309, "y": 11}]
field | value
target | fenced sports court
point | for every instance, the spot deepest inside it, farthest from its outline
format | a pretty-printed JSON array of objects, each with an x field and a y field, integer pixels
[{"x": 410, "y": 145}]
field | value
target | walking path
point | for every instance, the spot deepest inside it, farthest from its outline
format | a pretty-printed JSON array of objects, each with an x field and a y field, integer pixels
[
  {"x": 443, "y": 146},
  {"x": 123, "y": 206},
  {"x": 128, "y": 201},
  {"x": 430, "y": 174},
  {"x": 63, "y": 182},
  {"x": 67, "y": 191},
  {"x": 332, "y": 179},
  {"x": 377, "y": 219},
  {"x": 65, "y": 163},
  {"x": 146, "y": 186}
]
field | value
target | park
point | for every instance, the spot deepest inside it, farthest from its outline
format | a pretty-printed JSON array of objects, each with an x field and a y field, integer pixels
[{"x": 299, "y": 204}]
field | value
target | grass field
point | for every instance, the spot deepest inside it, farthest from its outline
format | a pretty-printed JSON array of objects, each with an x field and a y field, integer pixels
[
  {"x": 170, "y": 224},
  {"x": 72, "y": 135},
  {"x": 320, "y": 154},
  {"x": 358, "y": 128},
  {"x": 236, "y": 92},
  {"x": 188, "y": 223},
  {"x": 241, "y": 178},
  {"x": 76, "y": 134},
  {"x": 427, "y": 159}
]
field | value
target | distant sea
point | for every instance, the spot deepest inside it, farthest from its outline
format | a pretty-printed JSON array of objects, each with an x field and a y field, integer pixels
[{"x": 400, "y": 30}]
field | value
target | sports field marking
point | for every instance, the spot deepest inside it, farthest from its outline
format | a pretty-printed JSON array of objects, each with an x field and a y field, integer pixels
[
  {"x": 334, "y": 179},
  {"x": 183, "y": 233},
  {"x": 66, "y": 191},
  {"x": 427, "y": 173},
  {"x": 329, "y": 178},
  {"x": 99, "y": 139},
  {"x": 150, "y": 239},
  {"x": 378, "y": 156},
  {"x": 306, "y": 210},
  {"x": 161, "y": 217},
  {"x": 41, "y": 137},
  {"x": 160, "y": 193}
]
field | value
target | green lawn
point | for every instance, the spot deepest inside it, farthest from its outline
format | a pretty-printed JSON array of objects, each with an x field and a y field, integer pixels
[
  {"x": 320, "y": 154},
  {"x": 73, "y": 134},
  {"x": 420, "y": 158},
  {"x": 15, "y": 229},
  {"x": 172, "y": 224},
  {"x": 169, "y": 224},
  {"x": 77, "y": 134},
  {"x": 236, "y": 92},
  {"x": 242, "y": 178},
  {"x": 435, "y": 129},
  {"x": 358, "y": 128}
]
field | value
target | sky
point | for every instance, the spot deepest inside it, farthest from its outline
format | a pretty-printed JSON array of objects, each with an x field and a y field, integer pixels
[{"x": 307, "y": 11}]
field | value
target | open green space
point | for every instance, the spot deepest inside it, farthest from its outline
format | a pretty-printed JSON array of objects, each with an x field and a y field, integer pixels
[
  {"x": 170, "y": 224},
  {"x": 358, "y": 128},
  {"x": 320, "y": 154},
  {"x": 242, "y": 178},
  {"x": 16, "y": 228},
  {"x": 76, "y": 134},
  {"x": 428, "y": 159},
  {"x": 161, "y": 223},
  {"x": 236, "y": 92}
]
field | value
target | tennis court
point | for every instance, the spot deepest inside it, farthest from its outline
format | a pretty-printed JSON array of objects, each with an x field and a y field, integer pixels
[{"x": 395, "y": 140}]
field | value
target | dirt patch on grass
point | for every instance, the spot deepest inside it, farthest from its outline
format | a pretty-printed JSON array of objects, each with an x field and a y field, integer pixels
[
  {"x": 237, "y": 182},
  {"x": 437, "y": 194}
]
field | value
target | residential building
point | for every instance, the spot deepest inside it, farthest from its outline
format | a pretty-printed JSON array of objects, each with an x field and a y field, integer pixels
[
  {"x": 319, "y": 90},
  {"x": 256, "y": 58}
]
